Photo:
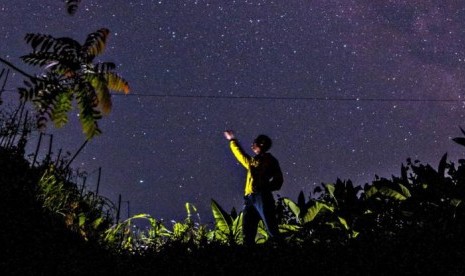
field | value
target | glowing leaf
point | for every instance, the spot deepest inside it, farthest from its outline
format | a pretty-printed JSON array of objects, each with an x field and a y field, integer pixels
[
  {"x": 392, "y": 193},
  {"x": 314, "y": 210},
  {"x": 82, "y": 219},
  {"x": 343, "y": 222},
  {"x": 293, "y": 206},
  {"x": 236, "y": 229},
  {"x": 455, "y": 202},
  {"x": 222, "y": 220},
  {"x": 117, "y": 83},
  {"x": 59, "y": 114},
  {"x": 95, "y": 43},
  {"x": 405, "y": 190}
]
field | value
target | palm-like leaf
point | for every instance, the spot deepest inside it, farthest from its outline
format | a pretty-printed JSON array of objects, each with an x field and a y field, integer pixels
[
  {"x": 117, "y": 83},
  {"x": 263, "y": 235},
  {"x": 104, "y": 67},
  {"x": 330, "y": 189},
  {"x": 223, "y": 221},
  {"x": 293, "y": 207},
  {"x": 442, "y": 165},
  {"x": 63, "y": 105},
  {"x": 309, "y": 211},
  {"x": 40, "y": 58},
  {"x": 88, "y": 116},
  {"x": 460, "y": 140},
  {"x": 71, "y": 75},
  {"x": 236, "y": 229},
  {"x": 95, "y": 43},
  {"x": 47, "y": 43},
  {"x": 391, "y": 193},
  {"x": 103, "y": 93},
  {"x": 226, "y": 229}
]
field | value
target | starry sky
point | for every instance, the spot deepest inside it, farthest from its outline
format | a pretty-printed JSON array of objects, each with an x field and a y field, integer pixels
[{"x": 346, "y": 89}]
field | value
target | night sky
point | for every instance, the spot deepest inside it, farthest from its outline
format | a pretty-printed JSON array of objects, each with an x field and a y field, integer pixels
[{"x": 345, "y": 89}]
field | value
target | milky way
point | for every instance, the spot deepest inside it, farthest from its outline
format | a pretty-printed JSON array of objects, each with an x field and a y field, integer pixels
[{"x": 346, "y": 89}]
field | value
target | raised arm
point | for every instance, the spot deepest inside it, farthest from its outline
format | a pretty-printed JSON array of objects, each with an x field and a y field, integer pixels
[{"x": 243, "y": 158}]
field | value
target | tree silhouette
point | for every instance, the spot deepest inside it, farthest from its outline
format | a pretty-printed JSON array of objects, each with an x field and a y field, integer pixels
[{"x": 71, "y": 74}]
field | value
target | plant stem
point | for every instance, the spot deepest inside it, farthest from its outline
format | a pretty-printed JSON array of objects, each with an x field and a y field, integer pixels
[{"x": 76, "y": 154}]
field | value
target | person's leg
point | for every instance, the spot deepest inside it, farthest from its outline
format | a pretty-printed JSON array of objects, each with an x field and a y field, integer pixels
[
  {"x": 250, "y": 221},
  {"x": 266, "y": 208}
]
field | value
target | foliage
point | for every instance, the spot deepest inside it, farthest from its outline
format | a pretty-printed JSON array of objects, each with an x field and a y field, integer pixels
[
  {"x": 189, "y": 231},
  {"x": 127, "y": 236},
  {"x": 86, "y": 214},
  {"x": 228, "y": 227},
  {"x": 34, "y": 239},
  {"x": 70, "y": 74},
  {"x": 324, "y": 214},
  {"x": 72, "y": 6}
]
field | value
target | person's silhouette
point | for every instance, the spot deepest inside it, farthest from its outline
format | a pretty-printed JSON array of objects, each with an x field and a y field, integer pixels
[{"x": 263, "y": 172}]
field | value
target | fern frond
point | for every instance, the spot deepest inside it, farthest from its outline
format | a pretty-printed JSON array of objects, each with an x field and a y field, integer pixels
[
  {"x": 45, "y": 43},
  {"x": 35, "y": 40},
  {"x": 95, "y": 43},
  {"x": 67, "y": 47},
  {"x": 40, "y": 58},
  {"x": 57, "y": 53},
  {"x": 105, "y": 102},
  {"x": 59, "y": 114},
  {"x": 29, "y": 92},
  {"x": 89, "y": 127},
  {"x": 117, "y": 83},
  {"x": 46, "y": 95},
  {"x": 103, "y": 93},
  {"x": 104, "y": 67},
  {"x": 88, "y": 114}
]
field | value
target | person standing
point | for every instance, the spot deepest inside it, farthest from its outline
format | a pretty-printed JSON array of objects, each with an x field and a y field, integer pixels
[{"x": 263, "y": 177}]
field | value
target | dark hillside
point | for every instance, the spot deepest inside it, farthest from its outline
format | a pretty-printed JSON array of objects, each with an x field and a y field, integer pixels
[{"x": 33, "y": 241}]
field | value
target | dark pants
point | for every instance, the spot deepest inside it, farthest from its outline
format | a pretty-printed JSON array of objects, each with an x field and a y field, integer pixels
[{"x": 259, "y": 206}]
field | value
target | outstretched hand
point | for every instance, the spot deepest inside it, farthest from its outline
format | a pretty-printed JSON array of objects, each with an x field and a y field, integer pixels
[{"x": 229, "y": 134}]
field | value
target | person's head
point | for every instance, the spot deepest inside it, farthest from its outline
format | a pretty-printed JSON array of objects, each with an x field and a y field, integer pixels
[{"x": 261, "y": 144}]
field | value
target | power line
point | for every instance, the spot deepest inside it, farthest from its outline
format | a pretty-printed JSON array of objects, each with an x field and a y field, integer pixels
[
  {"x": 291, "y": 98},
  {"x": 334, "y": 99}
]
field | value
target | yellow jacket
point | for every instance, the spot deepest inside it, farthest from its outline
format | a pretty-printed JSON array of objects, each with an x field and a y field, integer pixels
[{"x": 259, "y": 168}]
